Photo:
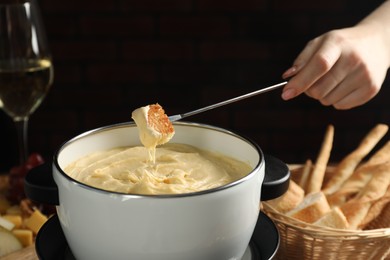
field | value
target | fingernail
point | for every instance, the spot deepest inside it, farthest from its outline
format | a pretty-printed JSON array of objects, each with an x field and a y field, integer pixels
[
  {"x": 290, "y": 72},
  {"x": 288, "y": 94}
]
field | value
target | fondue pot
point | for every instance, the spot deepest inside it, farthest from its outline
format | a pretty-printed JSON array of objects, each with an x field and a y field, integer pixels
[{"x": 210, "y": 224}]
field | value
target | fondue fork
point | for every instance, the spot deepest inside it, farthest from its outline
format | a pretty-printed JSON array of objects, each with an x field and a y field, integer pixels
[{"x": 201, "y": 110}]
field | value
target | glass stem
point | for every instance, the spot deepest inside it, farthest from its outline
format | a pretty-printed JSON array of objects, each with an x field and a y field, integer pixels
[{"x": 21, "y": 128}]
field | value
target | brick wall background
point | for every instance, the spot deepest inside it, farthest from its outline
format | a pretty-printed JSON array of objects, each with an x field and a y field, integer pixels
[{"x": 111, "y": 57}]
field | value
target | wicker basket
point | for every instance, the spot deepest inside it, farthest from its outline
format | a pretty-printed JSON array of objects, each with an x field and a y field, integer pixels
[{"x": 299, "y": 240}]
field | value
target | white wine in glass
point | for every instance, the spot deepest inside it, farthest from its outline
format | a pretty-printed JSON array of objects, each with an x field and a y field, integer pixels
[{"x": 26, "y": 70}]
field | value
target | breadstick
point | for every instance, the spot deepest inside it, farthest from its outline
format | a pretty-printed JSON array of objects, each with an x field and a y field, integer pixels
[
  {"x": 347, "y": 166},
  {"x": 352, "y": 186},
  {"x": 305, "y": 174},
  {"x": 380, "y": 156},
  {"x": 357, "y": 208},
  {"x": 376, "y": 209},
  {"x": 360, "y": 177},
  {"x": 378, "y": 184},
  {"x": 381, "y": 221},
  {"x": 317, "y": 176}
]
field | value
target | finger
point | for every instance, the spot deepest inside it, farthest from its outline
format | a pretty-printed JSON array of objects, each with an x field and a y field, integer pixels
[
  {"x": 353, "y": 99},
  {"x": 355, "y": 90},
  {"x": 302, "y": 58},
  {"x": 319, "y": 64},
  {"x": 323, "y": 86}
]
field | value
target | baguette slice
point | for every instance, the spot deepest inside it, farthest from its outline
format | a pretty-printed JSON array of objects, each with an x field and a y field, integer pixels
[
  {"x": 312, "y": 208},
  {"x": 155, "y": 128},
  {"x": 333, "y": 219},
  {"x": 289, "y": 200},
  {"x": 355, "y": 211}
]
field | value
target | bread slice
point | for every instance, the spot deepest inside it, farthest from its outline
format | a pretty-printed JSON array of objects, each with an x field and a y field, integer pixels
[
  {"x": 355, "y": 211},
  {"x": 289, "y": 200},
  {"x": 158, "y": 120},
  {"x": 154, "y": 126},
  {"x": 312, "y": 208},
  {"x": 333, "y": 219}
]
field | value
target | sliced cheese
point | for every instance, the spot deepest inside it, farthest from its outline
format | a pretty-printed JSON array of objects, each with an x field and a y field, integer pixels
[
  {"x": 35, "y": 221},
  {"x": 25, "y": 236},
  {"x": 6, "y": 224},
  {"x": 14, "y": 210},
  {"x": 15, "y": 219}
]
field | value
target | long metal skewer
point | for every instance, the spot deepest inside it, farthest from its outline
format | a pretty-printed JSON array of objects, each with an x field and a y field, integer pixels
[{"x": 251, "y": 94}]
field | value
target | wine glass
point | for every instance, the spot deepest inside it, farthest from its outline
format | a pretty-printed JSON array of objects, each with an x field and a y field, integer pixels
[{"x": 26, "y": 71}]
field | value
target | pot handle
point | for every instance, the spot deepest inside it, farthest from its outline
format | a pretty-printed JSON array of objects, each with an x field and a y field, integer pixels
[
  {"x": 276, "y": 179},
  {"x": 39, "y": 185}
]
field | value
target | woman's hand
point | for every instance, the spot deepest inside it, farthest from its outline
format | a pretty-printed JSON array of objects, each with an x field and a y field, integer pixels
[{"x": 342, "y": 68}]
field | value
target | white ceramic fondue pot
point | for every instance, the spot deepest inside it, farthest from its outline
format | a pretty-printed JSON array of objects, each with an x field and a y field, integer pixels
[{"x": 213, "y": 224}]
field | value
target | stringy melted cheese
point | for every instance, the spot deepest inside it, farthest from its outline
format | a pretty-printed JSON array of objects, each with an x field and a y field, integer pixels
[{"x": 154, "y": 127}]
